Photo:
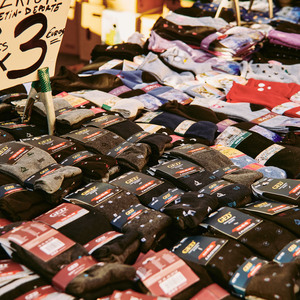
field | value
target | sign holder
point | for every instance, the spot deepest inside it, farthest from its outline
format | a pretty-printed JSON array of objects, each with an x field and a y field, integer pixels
[{"x": 41, "y": 91}]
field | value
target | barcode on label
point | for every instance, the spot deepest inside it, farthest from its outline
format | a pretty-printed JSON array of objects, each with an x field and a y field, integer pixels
[
  {"x": 171, "y": 284},
  {"x": 52, "y": 246}
]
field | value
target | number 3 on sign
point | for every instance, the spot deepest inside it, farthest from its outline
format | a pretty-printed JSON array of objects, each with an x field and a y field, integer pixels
[{"x": 30, "y": 37}]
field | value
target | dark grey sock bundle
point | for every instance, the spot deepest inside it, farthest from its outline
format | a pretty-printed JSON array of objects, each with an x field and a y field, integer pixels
[
  {"x": 104, "y": 197},
  {"x": 217, "y": 163},
  {"x": 191, "y": 177},
  {"x": 36, "y": 169},
  {"x": 95, "y": 139},
  {"x": 143, "y": 186},
  {"x": 71, "y": 153}
]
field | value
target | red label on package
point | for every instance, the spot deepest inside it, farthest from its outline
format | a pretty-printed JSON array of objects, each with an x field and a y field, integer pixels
[
  {"x": 264, "y": 118},
  {"x": 40, "y": 239},
  {"x": 211, "y": 292},
  {"x": 65, "y": 275},
  {"x": 101, "y": 240},
  {"x": 62, "y": 215},
  {"x": 164, "y": 273},
  {"x": 9, "y": 269}
]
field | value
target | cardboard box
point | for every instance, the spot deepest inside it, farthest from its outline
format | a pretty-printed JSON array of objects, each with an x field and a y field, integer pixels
[
  {"x": 89, "y": 29},
  {"x": 70, "y": 44},
  {"x": 118, "y": 26},
  {"x": 135, "y": 6}
]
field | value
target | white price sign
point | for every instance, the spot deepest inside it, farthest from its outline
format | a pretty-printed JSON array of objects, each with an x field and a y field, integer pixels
[{"x": 31, "y": 32}]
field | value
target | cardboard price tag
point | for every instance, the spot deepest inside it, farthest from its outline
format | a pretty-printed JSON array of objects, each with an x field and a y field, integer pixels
[{"x": 30, "y": 37}]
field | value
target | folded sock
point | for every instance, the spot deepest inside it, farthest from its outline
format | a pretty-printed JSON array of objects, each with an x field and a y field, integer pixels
[
  {"x": 223, "y": 264},
  {"x": 104, "y": 197},
  {"x": 288, "y": 218},
  {"x": 217, "y": 163},
  {"x": 185, "y": 127},
  {"x": 151, "y": 225},
  {"x": 266, "y": 238},
  {"x": 242, "y": 160},
  {"x": 66, "y": 80},
  {"x": 36, "y": 168},
  {"x": 190, "y": 209},
  {"x": 122, "y": 248},
  {"x": 265, "y": 151},
  {"x": 193, "y": 112},
  {"x": 71, "y": 153},
  {"x": 274, "y": 281},
  {"x": 143, "y": 186}
]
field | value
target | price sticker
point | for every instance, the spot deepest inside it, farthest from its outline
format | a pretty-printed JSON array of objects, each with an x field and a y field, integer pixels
[{"x": 31, "y": 32}]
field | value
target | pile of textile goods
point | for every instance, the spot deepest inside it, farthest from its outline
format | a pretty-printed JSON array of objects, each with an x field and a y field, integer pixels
[{"x": 172, "y": 173}]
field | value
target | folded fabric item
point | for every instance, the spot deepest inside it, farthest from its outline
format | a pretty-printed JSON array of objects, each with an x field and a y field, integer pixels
[
  {"x": 98, "y": 98},
  {"x": 67, "y": 118},
  {"x": 163, "y": 74},
  {"x": 283, "y": 214},
  {"x": 105, "y": 197},
  {"x": 265, "y": 151},
  {"x": 151, "y": 225},
  {"x": 7, "y": 112},
  {"x": 273, "y": 281},
  {"x": 5, "y": 136},
  {"x": 133, "y": 79},
  {"x": 194, "y": 277},
  {"x": 91, "y": 228},
  {"x": 66, "y": 80},
  {"x": 20, "y": 204},
  {"x": 287, "y": 39},
  {"x": 279, "y": 53},
  {"x": 221, "y": 264},
  {"x": 12, "y": 289},
  {"x": 271, "y": 72},
  {"x": 258, "y": 91},
  {"x": 181, "y": 126},
  {"x": 264, "y": 237},
  {"x": 133, "y": 133},
  {"x": 242, "y": 160},
  {"x": 35, "y": 169},
  {"x": 249, "y": 126},
  {"x": 129, "y": 108},
  {"x": 182, "y": 61},
  {"x": 158, "y": 44},
  {"x": 71, "y": 153},
  {"x": 193, "y": 112},
  {"x": 187, "y": 209},
  {"x": 217, "y": 163},
  {"x": 191, "y": 35},
  {"x": 129, "y": 156},
  {"x": 95, "y": 139},
  {"x": 92, "y": 276},
  {"x": 120, "y": 51},
  {"x": 254, "y": 113},
  {"x": 20, "y": 130},
  {"x": 143, "y": 186},
  {"x": 191, "y": 177},
  {"x": 192, "y": 17}
]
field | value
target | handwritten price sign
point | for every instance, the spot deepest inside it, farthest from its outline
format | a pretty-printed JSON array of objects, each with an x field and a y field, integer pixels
[{"x": 31, "y": 32}]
